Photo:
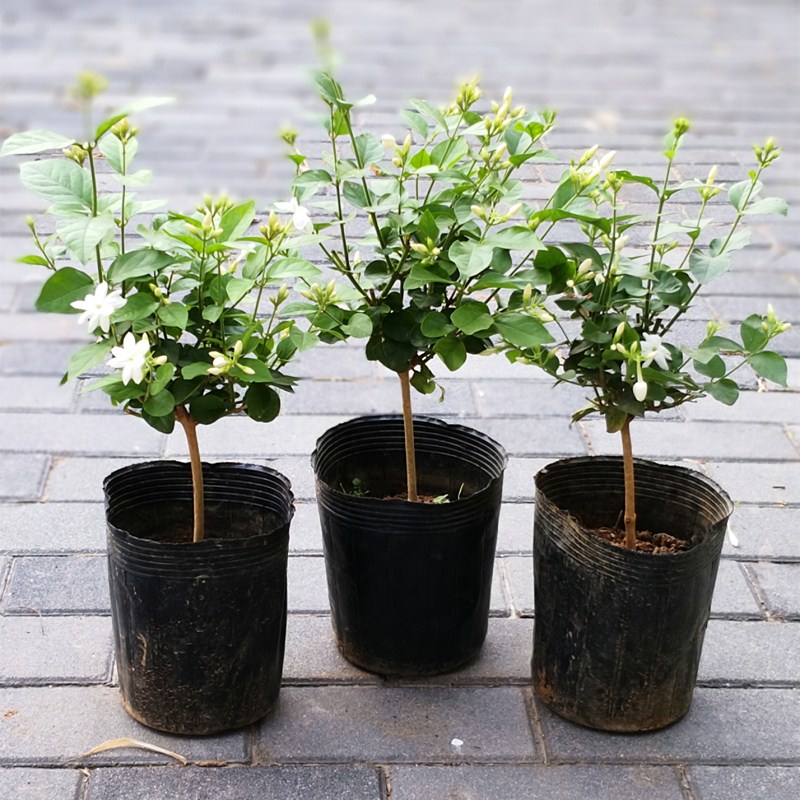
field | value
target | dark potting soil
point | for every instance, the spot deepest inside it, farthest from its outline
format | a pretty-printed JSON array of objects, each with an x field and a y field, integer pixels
[
  {"x": 658, "y": 544},
  {"x": 421, "y": 498},
  {"x": 173, "y": 522}
]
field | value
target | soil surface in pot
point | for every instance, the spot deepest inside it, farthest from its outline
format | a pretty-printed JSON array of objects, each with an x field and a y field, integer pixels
[
  {"x": 172, "y": 522},
  {"x": 657, "y": 544}
]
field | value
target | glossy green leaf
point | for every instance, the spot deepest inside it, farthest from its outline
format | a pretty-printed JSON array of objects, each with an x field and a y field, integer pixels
[
  {"x": 137, "y": 264},
  {"x": 165, "y": 424},
  {"x": 137, "y": 306},
  {"x": 62, "y": 288},
  {"x": 86, "y": 357},
  {"x": 83, "y": 234},
  {"x": 435, "y": 324},
  {"x": 160, "y": 404},
  {"x": 522, "y": 330},
  {"x": 706, "y": 267},
  {"x": 769, "y": 205},
  {"x": 196, "y": 370},
  {"x": 754, "y": 337},
  {"x": 174, "y": 315},
  {"x": 59, "y": 181},
  {"x": 131, "y": 108},
  {"x": 237, "y": 220},
  {"x": 471, "y": 258},
  {"x": 452, "y": 352},
  {"x": 36, "y": 141},
  {"x": 208, "y": 408},
  {"x": 725, "y": 391},
  {"x": 739, "y": 193},
  {"x": 262, "y": 402},
  {"x": 472, "y": 317},
  {"x": 359, "y": 326},
  {"x": 770, "y": 365}
]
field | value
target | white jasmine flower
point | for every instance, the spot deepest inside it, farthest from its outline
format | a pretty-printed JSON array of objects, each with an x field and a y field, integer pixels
[
  {"x": 98, "y": 307},
  {"x": 640, "y": 390},
  {"x": 301, "y": 219},
  {"x": 388, "y": 141},
  {"x": 131, "y": 358},
  {"x": 654, "y": 350}
]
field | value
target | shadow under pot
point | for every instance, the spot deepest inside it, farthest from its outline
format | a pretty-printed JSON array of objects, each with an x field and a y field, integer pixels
[
  {"x": 618, "y": 633},
  {"x": 199, "y": 627},
  {"x": 409, "y": 583}
]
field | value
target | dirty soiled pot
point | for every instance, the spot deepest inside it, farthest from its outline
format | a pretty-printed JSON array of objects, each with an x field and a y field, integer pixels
[
  {"x": 618, "y": 633},
  {"x": 199, "y": 628},
  {"x": 408, "y": 583}
]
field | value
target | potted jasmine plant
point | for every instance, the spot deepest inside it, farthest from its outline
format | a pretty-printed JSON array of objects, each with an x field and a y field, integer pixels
[
  {"x": 183, "y": 314},
  {"x": 626, "y": 551},
  {"x": 421, "y": 234}
]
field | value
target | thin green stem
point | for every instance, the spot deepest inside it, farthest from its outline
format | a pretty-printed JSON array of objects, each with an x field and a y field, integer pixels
[{"x": 90, "y": 152}]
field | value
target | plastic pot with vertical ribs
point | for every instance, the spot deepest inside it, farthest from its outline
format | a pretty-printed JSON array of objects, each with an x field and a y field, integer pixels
[
  {"x": 199, "y": 628},
  {"x": 618, "y": 633},
  {"x": 409, "y": 583}
]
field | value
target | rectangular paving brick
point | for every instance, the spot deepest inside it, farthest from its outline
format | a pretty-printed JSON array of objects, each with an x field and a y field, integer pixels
[
  {"x": 753, "y": 783},
  {"x": 58, "y": 585},
  {"x": 30, "y": 358},
  {"x": 758, "y": 482},
  {"x": 56, "y": 725},
  {"x": 535, "y": 782},
  {"x": 52, "y": 527},
  {"x": 22, "y": 476},
  {"x": 518, "y": 483},
  {"x": 528, "y": 398},
  {"x": 533, "y": 436},
  {"x": 305, "y": 535},
  {"x": 35, "y": 394},
  {"x": 236, "y": 783},
  {"x": 76, "y": 435},
  {"x": 764, "y": 533},
  {"x": 780, "y": 584},
  {"x": 518, "y": 574},
  {"x": 733, "y": 596},
  {"x": 772, "y": 406},
  {"x": 51, "y": 650},
  {"x": 734, "y": 440},
  {"x": 515, "y": 534},
  {"x": 390, "y": 725},
  {"x": 751, "y": 653},
  {"x": 40, "y": 784},
  {"x": 723, "y": 726},
  {"x": 240, "y": 437}
]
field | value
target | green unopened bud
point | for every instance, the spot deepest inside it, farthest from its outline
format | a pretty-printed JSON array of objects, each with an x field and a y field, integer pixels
[
  {"x": 159, "y": 361},
  {"x": 681, "y": 126},
  {"x": 418, "y": 247},
  {"x": 406, "y": 144},
  {"x": 30, "y": 222},
  {"x": 283, "y": 294},
  {"x": 588, "y": 155},
  {"x": 712, "y": 175},
  {"x": 527, "y": 293}
]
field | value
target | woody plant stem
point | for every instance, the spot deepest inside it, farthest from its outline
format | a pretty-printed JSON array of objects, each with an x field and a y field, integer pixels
[{"x": 189, "y": 426}]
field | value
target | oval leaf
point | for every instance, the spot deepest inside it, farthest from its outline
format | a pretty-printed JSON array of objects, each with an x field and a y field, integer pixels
[{"x": 62, "y": 288}]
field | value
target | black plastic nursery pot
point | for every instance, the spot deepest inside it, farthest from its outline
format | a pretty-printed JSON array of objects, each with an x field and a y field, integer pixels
[
  {"x": 408, "y": 583},
  {"x": 618, "y": 633},
  {"x": 199, "y": 628}
]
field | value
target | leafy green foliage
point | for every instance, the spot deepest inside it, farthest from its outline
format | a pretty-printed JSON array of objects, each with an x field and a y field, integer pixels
[
  {"x": 624, "y": 304},
  {"x": 445, "y": 230},
  {"x": 190, "y": 310}
]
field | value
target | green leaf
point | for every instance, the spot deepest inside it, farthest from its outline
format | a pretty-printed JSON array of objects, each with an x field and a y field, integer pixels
[
  {"x": 471, "y": 258},
  {"x": 164, "y": 424},
  {"x": 769, "y": 205},
  {"x": 705, "y": 267},
  {"x": 434, "y": 325},
  {"x": 260, "y": 372},
  {"x": 208, "y": 408},
  {"x": 713, "y": 367},
  {"x": 58, "y": 181},
  {"x": 196, "y": 370},
  {"x": 359, "y": 326},
  {"x": 516, "y": 237},
  {"x": 427, "y": 110},
  {"x": 452, "y": 351},
  {"x": 369, "y": 149},
  {"x": 174, "y": 315},
  {"x": 62, "y": 288},
  {"x": 212, "y": 313},
  {"x": 416, "y": 121},
  {"x": 262, "y": 402},
  {"x": 163, "y": 375},
  {"x": 284, "y": 268},
  {"x": 522, "y": 330},
  {"x": 82, "y": 235},
  {"x": 237, "y": 289},
  {"x": 355, "y": 194},
  {"x": 87, "y": 357},
  {"x": 138, "y": 264},
  {"x": 160, "y": 404},
  {"x": 754, "y": 337},
  {"x": 36, "y": 260},
  {"x": 420, "y": 275},
  {"x": 725, "y": 390},
  {"x": 472, "y": 317},
  {"x": 427, "y": 227},
  {"x": 137, "y": 306},
  {"x": 237, "y": 220},
  {"x": 131, "y": 108},
  {"x": 770, "y": 365},
  {"x": 738, "y": 193},
  {"x": 37, "y": 141}
]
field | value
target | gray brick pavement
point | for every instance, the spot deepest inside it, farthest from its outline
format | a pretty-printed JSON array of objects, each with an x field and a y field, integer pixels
[{"x": 339, "y": 732}]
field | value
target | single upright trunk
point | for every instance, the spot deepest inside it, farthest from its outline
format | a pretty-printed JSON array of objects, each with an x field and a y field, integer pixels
[
  {"x": 630, "y": 486},
  {"x": 408, "y": 427},
  {"x": 190, "y": 429}
]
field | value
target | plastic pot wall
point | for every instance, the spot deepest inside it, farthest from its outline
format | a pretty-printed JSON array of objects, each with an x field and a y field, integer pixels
[
  {"x": 199, "y": 628},
  {"x": 409, "y": 583},
  {"x": 617, "y": 633}
]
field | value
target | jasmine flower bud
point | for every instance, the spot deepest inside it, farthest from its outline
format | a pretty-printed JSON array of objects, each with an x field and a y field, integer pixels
[
  {"x": 640, "y": 390},
  {"x": 388, "y": 141}
]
